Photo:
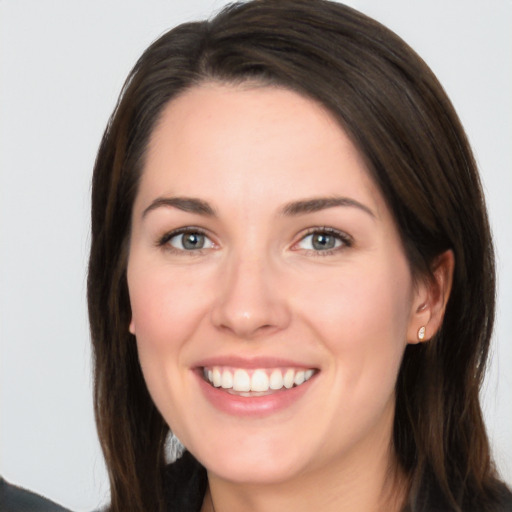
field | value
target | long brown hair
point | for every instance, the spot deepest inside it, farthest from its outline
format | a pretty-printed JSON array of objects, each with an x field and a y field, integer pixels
[{"x": 396, "y": 112}]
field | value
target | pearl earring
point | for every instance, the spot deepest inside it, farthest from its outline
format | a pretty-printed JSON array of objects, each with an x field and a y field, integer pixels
[{"x": 421, "y": 333}]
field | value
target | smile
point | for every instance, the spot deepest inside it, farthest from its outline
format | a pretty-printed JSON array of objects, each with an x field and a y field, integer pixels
[{"x": 255, "y": 382}]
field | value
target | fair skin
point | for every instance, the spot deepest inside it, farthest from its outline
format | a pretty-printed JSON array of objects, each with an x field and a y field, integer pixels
[{"x": 234, "y": 268}]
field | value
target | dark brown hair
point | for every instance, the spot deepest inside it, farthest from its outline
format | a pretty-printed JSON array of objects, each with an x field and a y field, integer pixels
[{"x": 392, "y": 106}]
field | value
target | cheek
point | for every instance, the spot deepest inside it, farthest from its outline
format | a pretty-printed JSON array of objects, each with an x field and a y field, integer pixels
[
  {"x": 165, "y": 305},
  {"x": 166, "y": 309},
  {"x": 362, "y": 317}
]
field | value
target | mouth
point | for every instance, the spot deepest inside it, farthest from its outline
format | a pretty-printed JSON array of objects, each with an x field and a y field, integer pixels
[{"x": 256, "y": 382}]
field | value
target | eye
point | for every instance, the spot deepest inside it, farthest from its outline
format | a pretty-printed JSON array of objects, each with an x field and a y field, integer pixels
[
  {"x": 324, "y": 240},
  {"x": 189, "y": 240}
]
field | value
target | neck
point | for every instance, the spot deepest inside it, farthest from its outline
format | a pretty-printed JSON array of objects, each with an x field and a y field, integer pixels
[{"x": 368, "y": 480}]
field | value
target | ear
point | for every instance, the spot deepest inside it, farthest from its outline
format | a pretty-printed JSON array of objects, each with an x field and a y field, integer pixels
[
  {"x": 131, "y": 328},
  {"x": 430, "y": 299}
]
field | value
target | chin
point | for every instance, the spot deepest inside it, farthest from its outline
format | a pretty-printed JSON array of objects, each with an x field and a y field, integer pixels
[
  {"x": 244, "y": 471},
  {"x": 257, "y": 461}
]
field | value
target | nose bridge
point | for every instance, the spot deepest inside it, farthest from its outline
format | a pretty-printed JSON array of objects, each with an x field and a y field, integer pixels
[{"x": 249, "y": 302}]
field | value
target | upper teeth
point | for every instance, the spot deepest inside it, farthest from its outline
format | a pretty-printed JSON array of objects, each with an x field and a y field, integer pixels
[{"x": 260, "y": 380}]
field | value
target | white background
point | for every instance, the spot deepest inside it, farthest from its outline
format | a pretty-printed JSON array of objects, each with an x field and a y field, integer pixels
[{"x": 62, "y": 65}]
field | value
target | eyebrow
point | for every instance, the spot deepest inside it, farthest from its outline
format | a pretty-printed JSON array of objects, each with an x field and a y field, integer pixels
[
  {"x": 200, "y": 207},
  {"x": 186, "y": 204},
  {"x": 317, "y": 204}
]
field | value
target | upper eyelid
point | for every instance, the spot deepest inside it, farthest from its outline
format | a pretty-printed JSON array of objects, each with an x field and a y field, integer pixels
[
  {"x": 326, "y": 229},
  {"x": 180, "y": 231},
  {"x": 347, "y": 241}
]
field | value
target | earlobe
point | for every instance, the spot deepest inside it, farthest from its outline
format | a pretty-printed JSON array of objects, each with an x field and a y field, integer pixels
[
  {"x": 131, "y": 327},
  {"x": 431, "y": 299}
]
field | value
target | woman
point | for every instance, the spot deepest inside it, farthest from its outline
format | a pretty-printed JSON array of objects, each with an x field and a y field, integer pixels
[{"x": 291, "y": 268}]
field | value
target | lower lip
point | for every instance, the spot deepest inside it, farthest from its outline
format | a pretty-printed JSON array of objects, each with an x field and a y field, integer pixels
[{"x": 253, "y": 406}]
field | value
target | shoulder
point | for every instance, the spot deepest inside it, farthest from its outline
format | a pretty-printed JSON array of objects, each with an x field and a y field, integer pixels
[
  {"x": 506, "y": 500},
  {"x": 16, "y": 499},
  {"x": 185, "y": 484},
  {"x": 496, "y": 497}
]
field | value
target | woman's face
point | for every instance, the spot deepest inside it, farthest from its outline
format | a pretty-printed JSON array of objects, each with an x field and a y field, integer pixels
[{"x": 271, "y": 296}]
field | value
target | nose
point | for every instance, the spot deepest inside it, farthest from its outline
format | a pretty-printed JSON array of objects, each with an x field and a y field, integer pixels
[{"x": 251, "y": 302}]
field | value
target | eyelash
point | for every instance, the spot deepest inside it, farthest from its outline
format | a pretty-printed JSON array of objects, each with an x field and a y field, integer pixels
[
  {"x": 163, "y": 241},
  {"x": 346, "y": 240}
]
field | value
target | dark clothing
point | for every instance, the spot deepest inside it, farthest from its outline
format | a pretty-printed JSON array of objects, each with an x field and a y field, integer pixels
[
  {"x": 186, "y": 485},
  {"x": 432, "y": 499},
  {"x": 16, "y": 499}
]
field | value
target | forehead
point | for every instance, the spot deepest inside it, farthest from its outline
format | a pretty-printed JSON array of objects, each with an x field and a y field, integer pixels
[{"x": 249, "y": 141}]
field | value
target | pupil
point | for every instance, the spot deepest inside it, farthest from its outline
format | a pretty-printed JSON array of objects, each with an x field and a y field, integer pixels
[
  {"x": 323, "y": 241},
  {"x": 193, "y": 241}
]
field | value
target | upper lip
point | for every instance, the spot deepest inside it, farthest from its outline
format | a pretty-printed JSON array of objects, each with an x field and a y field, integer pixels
[{"x": 251, "y": 362}]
